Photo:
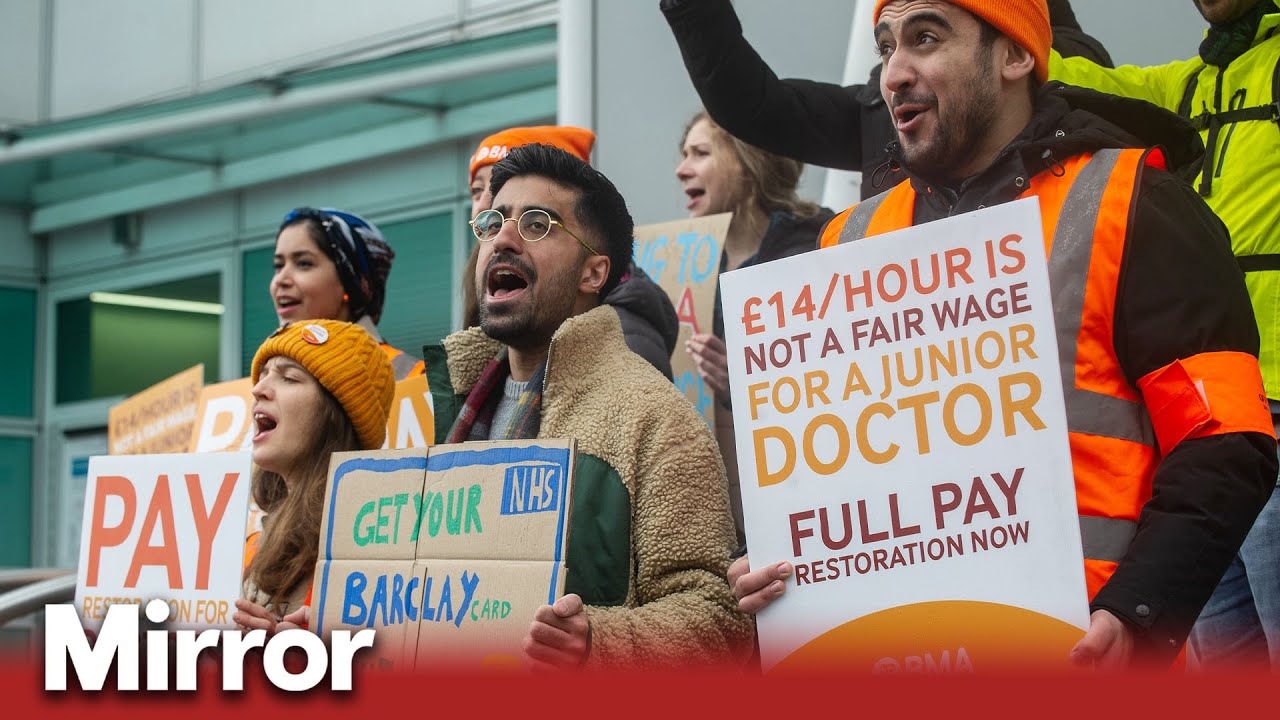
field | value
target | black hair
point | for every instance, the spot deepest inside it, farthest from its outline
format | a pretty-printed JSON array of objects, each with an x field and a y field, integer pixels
[
  {"x": 360, "y": 254},
  {"x": 600, "y": 207}
]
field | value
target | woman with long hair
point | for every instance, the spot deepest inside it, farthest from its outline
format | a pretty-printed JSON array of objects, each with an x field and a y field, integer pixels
[
  {"x": 720, "y": 173},
  {"x": 333, "y": 265},
  {"x": 319, "y": 387}
]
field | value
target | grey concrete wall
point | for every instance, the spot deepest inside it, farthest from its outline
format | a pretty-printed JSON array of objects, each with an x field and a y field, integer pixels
[
  {"x": 21, "y": 30},
  {"x": 1143, "y": 32},
  {"x": 66, "y": 58}
]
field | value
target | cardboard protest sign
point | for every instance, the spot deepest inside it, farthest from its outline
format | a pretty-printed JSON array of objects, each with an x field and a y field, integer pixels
[
  {"x": 447, "y": 551},
  {"x": 168, "y": 527},
  {"x": 158, "y": 419},
  {"x": 902, "y": 441},
  {"x": 683, "y": 258},
  {"x": 365, "y": 572},
  {"x": 224, "y": 416},
  {"x": 518, "y": 503}
]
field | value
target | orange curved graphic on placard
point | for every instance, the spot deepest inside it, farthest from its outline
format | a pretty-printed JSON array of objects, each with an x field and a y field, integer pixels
[{"x": 943, "y": 636}]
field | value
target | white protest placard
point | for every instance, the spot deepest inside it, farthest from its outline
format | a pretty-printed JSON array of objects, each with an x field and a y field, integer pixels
[
  {"x": 168, "y": 527},
  {"x": 902, "y": 441}
]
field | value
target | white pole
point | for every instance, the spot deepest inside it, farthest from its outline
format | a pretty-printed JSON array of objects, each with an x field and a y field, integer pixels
[
  {"x": 843, "y": 187},
  {"x": 575, "y": 64}
]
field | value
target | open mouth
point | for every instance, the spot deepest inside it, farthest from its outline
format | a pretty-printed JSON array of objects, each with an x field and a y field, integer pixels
[
  {"x": 263, "y": 424},
  {"x": 694, "y": 195},
  {"x": 907, "y": 116},
  {"x": 505, "y": 282},
  {"x": 286, "y": 305}
]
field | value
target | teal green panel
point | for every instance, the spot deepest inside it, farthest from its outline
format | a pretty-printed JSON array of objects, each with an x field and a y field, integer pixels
[
  {"x": 15, "y": 501},
  {"x": 135, "y": 348},
  {"x": 75, "y": 318},
  {"x": 419, "y": 308},
  {"x": 18, "y": 364},
  {"x": 258, "y": 315},
  {"x": 104, "y": 349}
]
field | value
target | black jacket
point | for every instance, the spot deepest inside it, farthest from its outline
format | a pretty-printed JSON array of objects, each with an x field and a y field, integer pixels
[
  {"x": 818, "y": 123},
  {"x": 1180, "y": 293},
  {"x": 649, "y": 322}
]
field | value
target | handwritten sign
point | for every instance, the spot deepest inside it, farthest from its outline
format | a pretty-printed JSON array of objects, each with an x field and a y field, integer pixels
[
  {"x": 158, "y": 419},
  {"x": 683, "y": 258},
  {"x": 448, "y": 551},
  {"x": 168, "y": 527},
  {"x": 902, "y": 441}
]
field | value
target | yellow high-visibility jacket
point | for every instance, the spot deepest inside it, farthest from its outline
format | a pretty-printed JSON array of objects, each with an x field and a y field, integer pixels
[{"x": 1241, "y": 177}]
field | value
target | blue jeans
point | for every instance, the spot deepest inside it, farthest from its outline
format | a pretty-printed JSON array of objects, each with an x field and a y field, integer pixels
[{"x": 1240, "y": 625}]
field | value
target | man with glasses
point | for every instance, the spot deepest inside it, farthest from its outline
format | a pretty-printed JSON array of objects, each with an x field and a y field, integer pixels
[
  {"x": 649, "y": 322},
  {"x": 650, "y": 533}
]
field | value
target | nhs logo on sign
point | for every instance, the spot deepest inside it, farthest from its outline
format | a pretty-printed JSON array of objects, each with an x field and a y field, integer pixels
[{"x": 531, "y": 488}]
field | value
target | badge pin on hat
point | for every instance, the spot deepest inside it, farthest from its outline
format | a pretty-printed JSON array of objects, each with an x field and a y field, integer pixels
[{"x": 315, "y": 334}]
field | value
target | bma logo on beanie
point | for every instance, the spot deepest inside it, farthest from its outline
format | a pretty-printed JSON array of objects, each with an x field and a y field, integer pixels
[{"x": 491, "y": 152}]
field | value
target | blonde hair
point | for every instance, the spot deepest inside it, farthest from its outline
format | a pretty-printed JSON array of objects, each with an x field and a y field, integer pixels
[{"x": 768, "y": 181}]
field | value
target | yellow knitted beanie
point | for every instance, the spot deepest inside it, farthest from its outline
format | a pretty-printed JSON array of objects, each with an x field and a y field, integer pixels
[{"x": 347, "y": 362}]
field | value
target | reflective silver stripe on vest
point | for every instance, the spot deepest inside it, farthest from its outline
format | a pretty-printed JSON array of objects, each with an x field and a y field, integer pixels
[
  {"x": 403, "y": 364},
  {"x": 855, "y": 227},
  {"x": 1104, "y": 538},
  {"x": 1087, "y": 412}
]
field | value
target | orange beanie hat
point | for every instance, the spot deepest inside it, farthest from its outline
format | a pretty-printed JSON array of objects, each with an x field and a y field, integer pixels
[
  {"x": 1026, "y": 22},
  {"x": 348, "y": 362},
  {"x": 573, "y": 140}
]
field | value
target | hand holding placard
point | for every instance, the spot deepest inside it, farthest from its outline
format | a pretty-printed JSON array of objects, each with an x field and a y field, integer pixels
[
  {"x": 756, "y": 589},
  {"x": 560, "y": 636}
]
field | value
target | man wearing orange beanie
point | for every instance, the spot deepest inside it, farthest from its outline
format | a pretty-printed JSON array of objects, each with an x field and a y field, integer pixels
[
  {"x": 575, "y": 141},
  {"x": 1172, "y": 450},
  {"x": 649, "y": 322}
]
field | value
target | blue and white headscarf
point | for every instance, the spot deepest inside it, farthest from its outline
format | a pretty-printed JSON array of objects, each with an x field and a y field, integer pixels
[{"x": 359, "y": 251}]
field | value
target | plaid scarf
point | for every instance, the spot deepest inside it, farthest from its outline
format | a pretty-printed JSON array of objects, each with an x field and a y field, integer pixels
[{"x": 475, "y": 420}]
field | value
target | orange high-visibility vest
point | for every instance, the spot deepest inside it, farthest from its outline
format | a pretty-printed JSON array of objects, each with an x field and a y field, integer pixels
[
  {"x": 1117, "y": 432},
  {"x": 404, "y": 364}
]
